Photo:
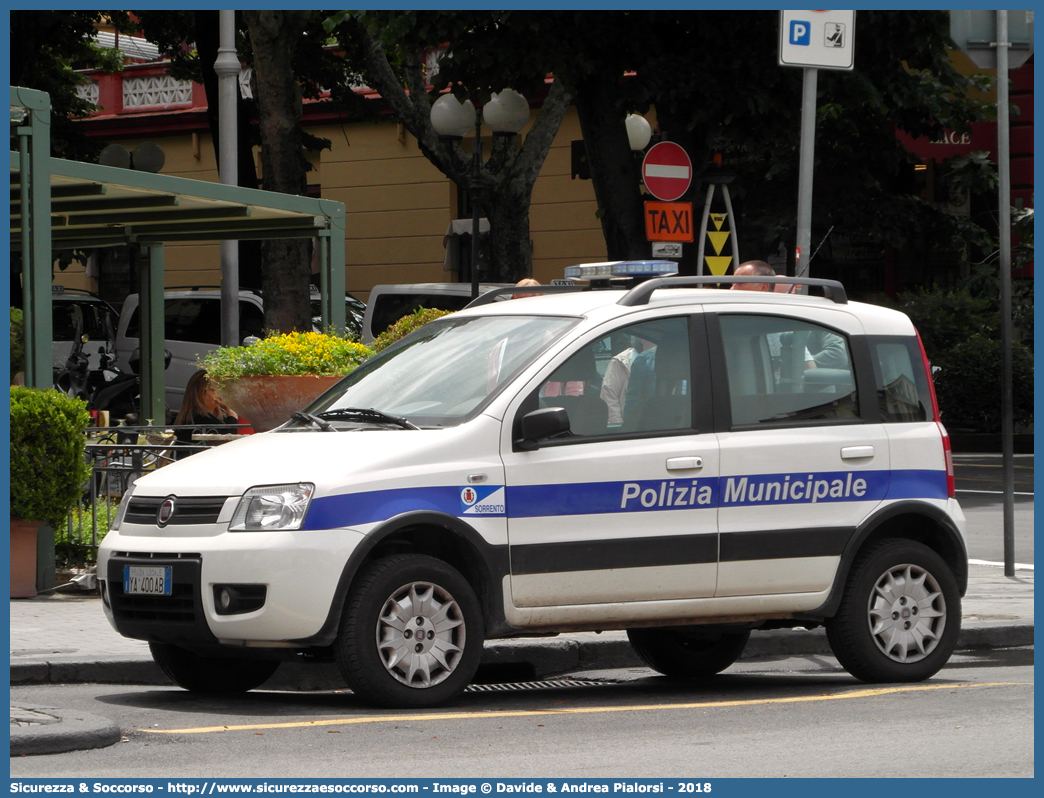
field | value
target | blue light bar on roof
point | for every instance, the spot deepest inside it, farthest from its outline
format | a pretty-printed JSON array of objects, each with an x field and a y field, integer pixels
[{"x": 621, "y": 268}]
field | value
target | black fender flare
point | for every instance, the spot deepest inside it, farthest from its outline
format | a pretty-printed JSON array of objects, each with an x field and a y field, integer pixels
[
  {"x": 874, "y": 522},
  {"x": 493, "y": 558}
]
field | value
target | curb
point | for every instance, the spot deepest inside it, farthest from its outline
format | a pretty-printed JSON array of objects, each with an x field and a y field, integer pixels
[
  {"x": 48, "y": 730},
  {"x": 504, "y": 660}
]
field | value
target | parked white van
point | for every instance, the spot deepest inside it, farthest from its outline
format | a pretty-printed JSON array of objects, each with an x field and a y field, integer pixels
[{"x": 192, "y": 328}]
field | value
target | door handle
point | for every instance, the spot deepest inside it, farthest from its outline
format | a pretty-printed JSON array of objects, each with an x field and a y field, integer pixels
[
  {"x": 684, "y": 463},
  {"x": 856, "y": 452}
]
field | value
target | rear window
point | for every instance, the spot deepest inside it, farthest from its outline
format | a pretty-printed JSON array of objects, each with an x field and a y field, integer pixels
[
  {"x": 902, "y": 385},
  {"x": 389, "y": 308}
]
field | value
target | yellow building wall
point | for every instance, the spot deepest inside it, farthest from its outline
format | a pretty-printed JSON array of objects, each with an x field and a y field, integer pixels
[{"x": 398, "y": 205}]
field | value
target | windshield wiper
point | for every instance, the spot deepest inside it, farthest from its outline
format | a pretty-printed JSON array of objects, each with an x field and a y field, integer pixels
[
  {"x": 367, "y": 414},
  {"x": 308, "y": 418}
]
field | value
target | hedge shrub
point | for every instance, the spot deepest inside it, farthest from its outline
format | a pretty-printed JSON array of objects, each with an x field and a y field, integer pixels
[
  {"x": 17, "y": 342},
  {"x": 48, "y": 469},
  {"x": 405, "y": 326},
  {"x": 968, "y": 385}
]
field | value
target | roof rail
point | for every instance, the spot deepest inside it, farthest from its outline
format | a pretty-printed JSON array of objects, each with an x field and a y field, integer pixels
[
  {"x": 491, "y": 296},
  {"x": 639, "y": 295}
]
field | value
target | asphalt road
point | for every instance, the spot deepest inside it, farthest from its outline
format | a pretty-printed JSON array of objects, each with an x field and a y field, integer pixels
[
  {"x": 980, "y": 490},
  {"x": 779, "y": 718}
]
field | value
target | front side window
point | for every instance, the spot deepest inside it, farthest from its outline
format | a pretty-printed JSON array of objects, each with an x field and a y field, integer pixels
[
  {"x": 635, "y": 379},
  {"x": 92, "y": 319},
  {"x": 446, "y": 371},
  {"x": 786, "y": 370}
]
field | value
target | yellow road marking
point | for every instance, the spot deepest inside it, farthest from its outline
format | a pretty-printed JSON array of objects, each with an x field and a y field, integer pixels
[{"x": 870, "y": 693}]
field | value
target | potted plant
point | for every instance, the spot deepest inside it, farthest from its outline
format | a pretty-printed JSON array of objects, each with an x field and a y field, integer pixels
[
  {"x": 268, "y": 380},
  {"x": 48, "y": 472}
]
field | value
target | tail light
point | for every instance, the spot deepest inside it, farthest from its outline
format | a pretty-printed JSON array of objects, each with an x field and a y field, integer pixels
[
  {"x": 947, "y": 449},
  {"x": 948, "y": 457}
]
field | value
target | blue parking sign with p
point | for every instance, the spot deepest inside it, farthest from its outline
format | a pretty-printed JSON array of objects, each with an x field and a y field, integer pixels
[{"x": 800, "y": 32}]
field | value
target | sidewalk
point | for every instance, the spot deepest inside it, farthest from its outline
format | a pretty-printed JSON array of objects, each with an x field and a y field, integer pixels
[{"x": 65, "y": 639}]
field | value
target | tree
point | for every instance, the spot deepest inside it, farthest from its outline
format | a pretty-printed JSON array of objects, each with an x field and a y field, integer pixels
[
  {"x": 285, "y": 263},
  {"x": 47, "y": 47},
  {"x": 291, "y": 59},
  {"x": 711, "y": 96},
  {"x": 393, "y": 46}
]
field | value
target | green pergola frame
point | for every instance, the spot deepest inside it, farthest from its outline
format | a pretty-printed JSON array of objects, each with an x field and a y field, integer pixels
[{"x": 58, "y": 204}]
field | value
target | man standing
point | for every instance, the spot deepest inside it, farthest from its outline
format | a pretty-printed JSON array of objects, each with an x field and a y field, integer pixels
[{"x": 754, "y": 268}]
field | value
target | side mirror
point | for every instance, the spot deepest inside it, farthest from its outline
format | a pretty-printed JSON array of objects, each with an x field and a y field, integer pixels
[{"x": 542, "y": 424}]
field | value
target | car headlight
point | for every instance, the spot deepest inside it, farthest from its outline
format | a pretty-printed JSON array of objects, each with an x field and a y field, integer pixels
[
  {"x": 272, "y": 507},
  {"x": 121, "y": 511}
]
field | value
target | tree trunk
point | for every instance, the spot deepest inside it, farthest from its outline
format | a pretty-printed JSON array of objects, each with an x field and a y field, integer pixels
[
  {"x": 615, "y": 174},
  {"x": 285, "y": 264},
  {"x": 510, "y": 247}
]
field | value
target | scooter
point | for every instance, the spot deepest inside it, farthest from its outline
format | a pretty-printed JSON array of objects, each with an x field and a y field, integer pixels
[
  {"x": 72, "y": 379},
  {"x": 107, "y": 388},
  {"x": 120, "y": 392}
]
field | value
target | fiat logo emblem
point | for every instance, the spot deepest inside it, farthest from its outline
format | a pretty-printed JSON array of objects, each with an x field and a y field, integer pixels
[{"x": 165, "y": 512}]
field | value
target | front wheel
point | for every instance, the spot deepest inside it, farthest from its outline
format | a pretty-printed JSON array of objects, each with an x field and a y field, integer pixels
[
  {"x": 412, "y": 633},
  {"x": 899, "y": 616},
  {"x": 688, "y": 652},
  {"x": 200, "y": 674}
]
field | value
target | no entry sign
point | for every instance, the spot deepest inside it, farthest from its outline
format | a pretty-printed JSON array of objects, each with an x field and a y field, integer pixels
[{"x": 667, "y": 171}]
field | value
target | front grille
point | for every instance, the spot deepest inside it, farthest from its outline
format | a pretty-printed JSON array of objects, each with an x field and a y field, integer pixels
[{"x": 187, "y": 509}]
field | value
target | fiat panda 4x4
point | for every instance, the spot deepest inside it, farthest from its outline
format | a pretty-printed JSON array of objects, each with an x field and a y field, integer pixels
[{"x": 684, "y": 463}]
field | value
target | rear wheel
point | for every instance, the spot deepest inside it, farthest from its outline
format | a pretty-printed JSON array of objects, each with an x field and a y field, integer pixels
[
  {"x": 211, "y": 674},
  {"x": 412, "y": 633},
  {"x": 899, "y": 616},
  {"x": 688, "y": 652}
]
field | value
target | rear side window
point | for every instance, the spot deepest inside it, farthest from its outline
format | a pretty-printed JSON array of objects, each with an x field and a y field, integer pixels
[
  {"x": 198, "y": 320},
  {"x": 786, "y": 370},
  {"x": 902, "y": 385}
]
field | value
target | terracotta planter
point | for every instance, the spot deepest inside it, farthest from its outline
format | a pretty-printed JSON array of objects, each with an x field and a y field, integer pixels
[
  {"x": 23, "y": 557},
  {"x": 267, "y": 401}
]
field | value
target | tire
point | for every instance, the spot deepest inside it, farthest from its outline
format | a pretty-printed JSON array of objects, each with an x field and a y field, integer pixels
[
  {"x": 688, "y": 652},
  {"x": 900, "y": 614},
  {"x": 375, "y": 648},
  {"x": 200, "y": 674}
]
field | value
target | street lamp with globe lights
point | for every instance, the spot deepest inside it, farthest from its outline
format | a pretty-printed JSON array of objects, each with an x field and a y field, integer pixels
[{"x": 506, "y": 113}]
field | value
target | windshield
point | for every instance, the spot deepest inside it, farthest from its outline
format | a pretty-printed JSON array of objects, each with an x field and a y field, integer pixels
[{"x": 446, "y": 371}]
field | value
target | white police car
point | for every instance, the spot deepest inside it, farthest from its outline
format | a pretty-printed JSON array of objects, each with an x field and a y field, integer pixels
[{"x": 668, "y": 460}]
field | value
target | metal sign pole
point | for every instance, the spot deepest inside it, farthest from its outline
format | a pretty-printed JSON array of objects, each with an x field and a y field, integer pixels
[
  {"x": 805, "y": 170},
  {"x": 227, "y": 67},
  {"x": 1004, "y": 234}
]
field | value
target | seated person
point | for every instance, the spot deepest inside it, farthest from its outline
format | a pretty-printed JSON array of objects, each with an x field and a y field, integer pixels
[{"x": 203, "y": 409}]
